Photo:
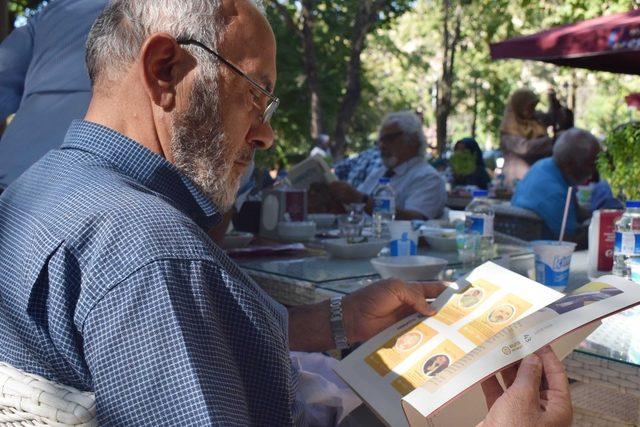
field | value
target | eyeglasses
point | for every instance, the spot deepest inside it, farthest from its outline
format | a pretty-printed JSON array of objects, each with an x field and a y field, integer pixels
[
  {"x": 274, "y": 102},
  {"x": 389, "y": 137}
]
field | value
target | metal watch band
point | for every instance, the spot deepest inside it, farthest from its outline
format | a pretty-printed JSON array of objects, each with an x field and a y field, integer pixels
[{"x": 337, "y": 325}]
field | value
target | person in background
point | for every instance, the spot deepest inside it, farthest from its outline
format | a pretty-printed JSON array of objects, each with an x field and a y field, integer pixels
[
  {"x": 354, "y": 170},
  {"x": 523, "y": 135},
  {"x": 479, "y": 176},
  {"x": 44, "y": 81},
  {"x": 322, "y": 147},
  {"x": 420, "y": 190},
  {"x": 544, "y": 189}
]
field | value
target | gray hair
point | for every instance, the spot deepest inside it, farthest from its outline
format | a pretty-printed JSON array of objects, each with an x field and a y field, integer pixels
[
  {"x": 120, "y": 30},
  {"x": 575, "y": 146},
  {"x": 411, "y": 126}
]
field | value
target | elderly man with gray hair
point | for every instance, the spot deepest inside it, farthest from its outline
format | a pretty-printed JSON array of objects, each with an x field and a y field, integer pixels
[
  {"x": 544, "y": 188},
  {"x": 420, "y": 190},
  {"x": 110, "y": 282}
]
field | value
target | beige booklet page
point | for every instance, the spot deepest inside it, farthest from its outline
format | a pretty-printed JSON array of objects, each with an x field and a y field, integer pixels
[{"x": 399, "y": 360}]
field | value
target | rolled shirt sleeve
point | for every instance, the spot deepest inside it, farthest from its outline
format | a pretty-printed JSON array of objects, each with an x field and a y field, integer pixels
[{"x": 172, "y": 344}]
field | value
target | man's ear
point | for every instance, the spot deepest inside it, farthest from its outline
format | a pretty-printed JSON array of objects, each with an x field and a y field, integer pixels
[{"x": 160, "y": 58}]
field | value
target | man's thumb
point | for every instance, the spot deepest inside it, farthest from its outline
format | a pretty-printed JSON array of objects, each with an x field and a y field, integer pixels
[{"x": 529, "y": 374}]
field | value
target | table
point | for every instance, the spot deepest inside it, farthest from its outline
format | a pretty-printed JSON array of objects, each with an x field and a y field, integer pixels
[
  {"x": 605, "y": 369},
  {"x": 606, "y": 366}
]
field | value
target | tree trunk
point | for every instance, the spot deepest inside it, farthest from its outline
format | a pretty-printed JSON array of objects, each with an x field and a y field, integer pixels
[
  {"x": 367, "y": 15},
  {"x": 4, "y": 19},
  {"x": 310, "y": 67},
  {"x": 474, "y": 122},
  {"x": 450, "y": 41},
  {"x": 303, "y": 30}
]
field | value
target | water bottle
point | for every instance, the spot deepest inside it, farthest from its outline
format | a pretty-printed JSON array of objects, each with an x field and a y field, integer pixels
[
  {"x": 479, "y": 220},
  {"x": 384, "y": 207},
  {"x": 626, "y": 251}
]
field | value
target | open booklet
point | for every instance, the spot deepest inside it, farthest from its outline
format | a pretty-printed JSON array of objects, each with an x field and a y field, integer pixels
[
  {"x": 310, "y": 171},
  {"x": 428, "y": 371}
]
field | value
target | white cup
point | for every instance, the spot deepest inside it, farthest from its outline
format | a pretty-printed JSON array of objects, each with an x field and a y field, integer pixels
[
  {"x": 404, "y": 239},
  {"x": 553, "y": 260}
]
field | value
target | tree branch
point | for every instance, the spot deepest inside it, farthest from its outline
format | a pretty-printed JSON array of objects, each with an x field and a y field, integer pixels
[{"x": 288, "y": 18}]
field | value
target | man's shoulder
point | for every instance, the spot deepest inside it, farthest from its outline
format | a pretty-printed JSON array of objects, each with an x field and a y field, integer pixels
[
  {"x": 422, "y": 169},
  {"x": 90, "y": 205}
]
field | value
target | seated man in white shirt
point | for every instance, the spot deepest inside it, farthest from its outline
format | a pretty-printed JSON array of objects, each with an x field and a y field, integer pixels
[{"x": 420, "y": 191}]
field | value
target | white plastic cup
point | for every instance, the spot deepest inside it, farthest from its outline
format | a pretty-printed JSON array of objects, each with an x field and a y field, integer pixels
[
  {"x": 399, "y": 245},
  {"x": 553, "y": 260}
]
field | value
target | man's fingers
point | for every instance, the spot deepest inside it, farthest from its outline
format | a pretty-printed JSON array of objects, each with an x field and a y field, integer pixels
[
  {"x": 413, "y": 297},
  {"x": 492, "y": 390},
  {"x": 530, "y": 374},
  {"x": 429, "y": 289},
  {"x": 509, "y": 374},
  {"x": 553, "y": 370}
]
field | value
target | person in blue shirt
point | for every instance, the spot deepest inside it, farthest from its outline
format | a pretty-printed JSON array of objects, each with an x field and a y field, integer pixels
[
  {"x": 110, "y": 282},
  {"x": 544, "y": 188},
  {"x": 44, "y": 81}
]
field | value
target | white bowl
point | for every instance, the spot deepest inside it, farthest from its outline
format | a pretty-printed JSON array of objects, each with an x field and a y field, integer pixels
[
  {"x": 236, "y": 239},
  {"x": 415, "y": 267},
  {"x": 339, "y": 248},
  {"x": 323, "y": 220},
  {"x": 296, "y": 231},
  {"x": 442, "y": 240}
]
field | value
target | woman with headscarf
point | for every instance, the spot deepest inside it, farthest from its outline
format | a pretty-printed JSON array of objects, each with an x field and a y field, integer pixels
[
  {"x": 479, "y": 176},
  {"x": 523, "y": 135}
]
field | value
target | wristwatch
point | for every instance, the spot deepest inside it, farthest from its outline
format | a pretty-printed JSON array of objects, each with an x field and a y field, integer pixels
[{"x": 337, "y": 324}]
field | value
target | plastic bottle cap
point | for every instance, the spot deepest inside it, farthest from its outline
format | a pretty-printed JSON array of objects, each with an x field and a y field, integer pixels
[
  {"x": 480, "y": 193},
  {"x": 633, "y": 204},
  {"x": 384, "y": 180}
]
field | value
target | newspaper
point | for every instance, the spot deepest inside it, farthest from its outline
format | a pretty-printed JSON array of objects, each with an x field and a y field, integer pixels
[
  {"x": 310, "y": 171},
  {"x": 422, "y": 371}
]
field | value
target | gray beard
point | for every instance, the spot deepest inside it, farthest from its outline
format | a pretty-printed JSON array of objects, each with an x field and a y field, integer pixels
[
  {"x": 199, "y": 149},
  {"x": 390, "y": 162}
]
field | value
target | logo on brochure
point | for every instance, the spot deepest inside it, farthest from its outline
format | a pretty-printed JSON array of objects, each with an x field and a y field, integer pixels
[{"x": 514, "y": 346}]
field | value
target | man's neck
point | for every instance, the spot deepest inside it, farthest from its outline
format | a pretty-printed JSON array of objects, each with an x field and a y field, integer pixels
[{"x": 125, "y": 115}]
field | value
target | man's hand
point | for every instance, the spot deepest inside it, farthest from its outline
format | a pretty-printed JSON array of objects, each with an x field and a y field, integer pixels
[
  {"x": 344, "y": 193},
  {"x": 378, "y": 306},
  {"x": 526, "y": 403}
]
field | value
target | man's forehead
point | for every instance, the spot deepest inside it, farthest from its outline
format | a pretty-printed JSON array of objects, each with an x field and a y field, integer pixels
[
  {"x": 391, "y": 127},
  {"x": 248, "y": 37}
]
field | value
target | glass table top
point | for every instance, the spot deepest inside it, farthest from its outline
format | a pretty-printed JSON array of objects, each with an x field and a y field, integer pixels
[{"x": 321, "y": 269}]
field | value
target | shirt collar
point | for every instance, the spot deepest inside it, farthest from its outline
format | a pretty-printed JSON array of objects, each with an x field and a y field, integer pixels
[
  {"x": 557, "y": 171},
  {"x": 145, "y": 167},
  {"x": 404, "y": 167}
]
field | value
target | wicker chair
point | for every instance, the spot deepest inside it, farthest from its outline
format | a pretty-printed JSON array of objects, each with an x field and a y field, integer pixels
[
  {"x": 517, "y": 222},
  {"x": 30, "y": 400}
]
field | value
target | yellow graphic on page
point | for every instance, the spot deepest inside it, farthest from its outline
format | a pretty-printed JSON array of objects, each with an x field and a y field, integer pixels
[
  {"x": 428, "y": 367},
  {"x": 399, "y": 348},
  {"x": 501, "y": 314},
  {"x": 461, "y": 305}
]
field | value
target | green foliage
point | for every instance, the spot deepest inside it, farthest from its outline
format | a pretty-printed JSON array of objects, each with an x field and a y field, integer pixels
[
  {"x": 620, "y": 162},
  {"x": 463, "y": 163}
]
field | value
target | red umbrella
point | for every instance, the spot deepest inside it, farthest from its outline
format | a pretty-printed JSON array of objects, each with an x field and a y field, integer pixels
[
  {"x": 609, "y": 43},
  {"x": 633, "y": 100}
]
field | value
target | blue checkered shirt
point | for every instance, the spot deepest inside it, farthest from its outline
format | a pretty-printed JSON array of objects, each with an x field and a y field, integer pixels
[
  {"x": 355, "y": 170},
  {"x": 110, "y": 283}
]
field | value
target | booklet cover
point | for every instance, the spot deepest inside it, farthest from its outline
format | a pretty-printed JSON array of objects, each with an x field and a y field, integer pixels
[
  {"x": 310, "y": 171},
  {"x": 421, "y": 371}
]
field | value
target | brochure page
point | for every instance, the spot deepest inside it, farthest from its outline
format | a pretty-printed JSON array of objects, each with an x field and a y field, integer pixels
[
  {"x": 401, "y": 359},
  {"x": 566, "y": 322}
]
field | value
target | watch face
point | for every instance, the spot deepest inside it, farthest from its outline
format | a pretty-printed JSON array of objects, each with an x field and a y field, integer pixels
[{"x": 270, "y": 208}]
